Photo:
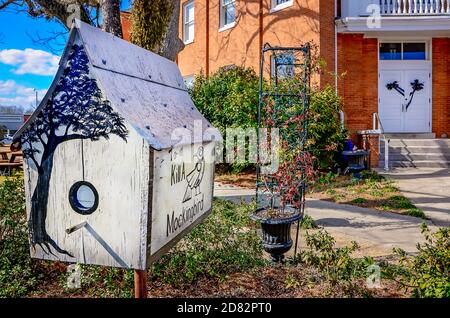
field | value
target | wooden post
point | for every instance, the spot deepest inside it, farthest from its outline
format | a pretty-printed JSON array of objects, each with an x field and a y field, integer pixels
[{"x": 140, "y": 284}]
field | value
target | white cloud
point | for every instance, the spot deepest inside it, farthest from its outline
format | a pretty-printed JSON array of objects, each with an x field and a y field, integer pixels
[
  {"x": 13, "y": 94},
  {"x": 30, "y": 61}
]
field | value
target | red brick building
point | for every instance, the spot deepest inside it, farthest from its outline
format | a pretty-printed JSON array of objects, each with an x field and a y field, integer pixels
[{"x": 369, "y": 43}]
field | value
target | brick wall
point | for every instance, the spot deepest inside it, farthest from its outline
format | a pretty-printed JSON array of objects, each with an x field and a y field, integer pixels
[
  {"x": 241, "y": 45},
  {"x": 441, "y": 86},
  {"x": 125, "y": 20},
  {"x": 358, "y": 84},
  {"x": 194, "y": 53},
  {"x": 327, "y": 42}
]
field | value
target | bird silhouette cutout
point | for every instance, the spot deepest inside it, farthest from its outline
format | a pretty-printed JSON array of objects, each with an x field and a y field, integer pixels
[{"x": 194, "y": 178}]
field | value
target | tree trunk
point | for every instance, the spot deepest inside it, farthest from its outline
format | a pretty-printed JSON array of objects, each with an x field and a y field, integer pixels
[
  {"x": 171, "y": 44},
  {"x": 39, "y": 202},
  {"x": 111, "y": 17},
  {"x": 60, "y": 10}
]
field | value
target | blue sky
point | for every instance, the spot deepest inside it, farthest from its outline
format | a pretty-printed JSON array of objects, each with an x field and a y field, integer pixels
[{"x": 25, "y": 65}]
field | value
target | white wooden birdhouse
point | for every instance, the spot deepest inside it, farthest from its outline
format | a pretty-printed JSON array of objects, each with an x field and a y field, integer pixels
[{"x": 119, "y": 164}]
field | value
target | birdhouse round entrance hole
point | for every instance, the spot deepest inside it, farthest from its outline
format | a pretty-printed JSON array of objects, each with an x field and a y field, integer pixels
[{"x": 83, "y": 197}]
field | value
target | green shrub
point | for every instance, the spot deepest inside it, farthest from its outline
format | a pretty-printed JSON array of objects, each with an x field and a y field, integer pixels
[
  {"x": 99, "y": 281},
  {"x": 336, "y": 263},
  {"x": 418, "y": 213},
  {"x": 18, "y": 273},
  {"x": 428, "y": 272},
  {"x": 225, "y": 243},
  {"x": 228, "y": 99},
  {"x": 327, "y": 178},
  {"x": 326, "y": 134},
  {"x": 359, "y": 201},
  {"x": 308, "y": 223}
]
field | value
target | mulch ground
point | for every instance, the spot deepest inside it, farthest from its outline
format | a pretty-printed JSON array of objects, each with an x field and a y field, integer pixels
[{"x": 267, "y": 282}]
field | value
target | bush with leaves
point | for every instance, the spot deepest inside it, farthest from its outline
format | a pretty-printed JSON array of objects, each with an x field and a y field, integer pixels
[
  {"x": 428, "y": 272},
  {"x": 17, "y": 271},
  {"x": 336, "y": 263},
  {"x": 228, "y": 99},
  {"x": 225, "y": 243},
  {"x": 325, "y": 132}
]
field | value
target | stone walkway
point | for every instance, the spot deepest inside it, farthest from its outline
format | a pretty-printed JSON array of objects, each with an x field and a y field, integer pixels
[
  {"x": 427, "y": 188},
  {"x": 376, "y": 232}
]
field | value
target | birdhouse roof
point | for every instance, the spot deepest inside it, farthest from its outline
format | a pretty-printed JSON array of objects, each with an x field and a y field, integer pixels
[{"x": 145, "y": 88}]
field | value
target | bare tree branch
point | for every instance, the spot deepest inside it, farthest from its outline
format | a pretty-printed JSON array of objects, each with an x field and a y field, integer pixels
[
  {"x": 6, "y": 3},
  {"x": 53, "y": 42}
]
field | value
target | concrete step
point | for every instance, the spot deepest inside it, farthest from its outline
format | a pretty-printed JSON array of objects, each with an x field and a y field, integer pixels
[
  {"x": 423, "y": 152},
  {"x": 416, "y": 164},
  {"x": 419, "y": 157},
  {"x": 411, "y": 136},
  {"x": 417, "y": 150},
  {"x": 444, "y": 143}
]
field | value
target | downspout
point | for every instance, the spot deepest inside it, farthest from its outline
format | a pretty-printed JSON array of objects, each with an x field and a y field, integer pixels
[
  {"x": 335, "y": 48},
  {"x": 261, "y": 26},
  {"x": 207, "y": 40},
  {"x": 336, "y": 80}
]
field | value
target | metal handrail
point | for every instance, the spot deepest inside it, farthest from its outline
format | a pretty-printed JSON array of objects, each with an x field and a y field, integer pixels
[{"x": 377, "y": 123}]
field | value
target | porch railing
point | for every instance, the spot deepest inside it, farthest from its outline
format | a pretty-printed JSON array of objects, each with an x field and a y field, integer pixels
[
  {"x": 414, "y": 7},
  {"x": 378, "y": 126},
  {"x": 363, "y": 8}
]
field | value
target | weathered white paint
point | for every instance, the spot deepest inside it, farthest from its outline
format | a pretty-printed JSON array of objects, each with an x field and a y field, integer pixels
[
  {"x": 119, "y": 171},
  {"x": 147, "y": 89},
  {"x": 131, "y": 177},
  {"x": 177, "y": 201}
]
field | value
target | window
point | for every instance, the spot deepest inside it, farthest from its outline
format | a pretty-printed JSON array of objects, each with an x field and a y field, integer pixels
[
  {"x": 188, "y": 22},
  {"x": 403, "y": 51},
  {"x": 227, "y": 13},
  {"x": 282, "y": 65},
  {"x": 390, "y": 51},
  {"x": 281, "y": 4},
  {"x": 414, "y": 51}
]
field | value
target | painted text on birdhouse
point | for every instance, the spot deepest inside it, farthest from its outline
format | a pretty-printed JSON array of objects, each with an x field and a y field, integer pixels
[{"x": 183, "y": 184}]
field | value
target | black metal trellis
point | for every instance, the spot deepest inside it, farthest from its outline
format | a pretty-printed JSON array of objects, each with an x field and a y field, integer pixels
[{"x": 286, "y": 98}]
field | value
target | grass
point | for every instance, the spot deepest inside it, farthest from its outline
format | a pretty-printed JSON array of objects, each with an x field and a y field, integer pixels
[{"x": 373, "y": 191}]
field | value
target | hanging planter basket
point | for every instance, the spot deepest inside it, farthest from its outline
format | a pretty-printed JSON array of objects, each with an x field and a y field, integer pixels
[{"x": 276, "y": 230}]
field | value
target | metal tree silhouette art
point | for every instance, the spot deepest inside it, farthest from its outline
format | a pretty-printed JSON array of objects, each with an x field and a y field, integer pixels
[
  {"x": 416, "y": 86},
  {"x": 75, "y": 110}
]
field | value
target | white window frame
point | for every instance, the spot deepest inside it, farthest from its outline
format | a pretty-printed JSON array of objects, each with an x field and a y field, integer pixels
[
  {"x": 277, "y": 7},
  {"x": 188, "y": 23},
  {"x": 222, "y": 14}
]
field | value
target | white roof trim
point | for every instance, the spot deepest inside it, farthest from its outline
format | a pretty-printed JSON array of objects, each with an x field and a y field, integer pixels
[{"x": 395, "y": 24}]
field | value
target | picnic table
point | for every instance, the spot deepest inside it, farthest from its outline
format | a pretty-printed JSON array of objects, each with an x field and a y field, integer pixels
[{"x": 10, "y": 159}]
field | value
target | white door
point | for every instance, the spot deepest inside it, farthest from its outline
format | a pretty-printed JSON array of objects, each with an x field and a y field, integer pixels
[{"x": 401, "y": 111}]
